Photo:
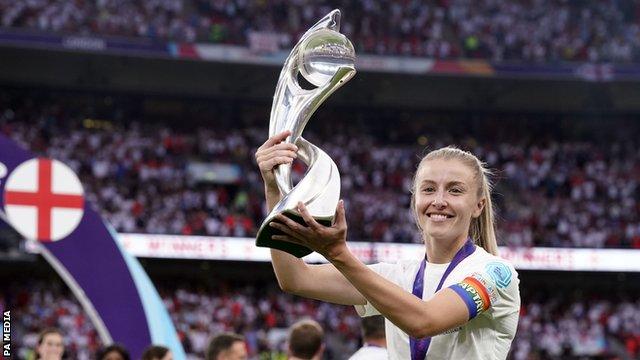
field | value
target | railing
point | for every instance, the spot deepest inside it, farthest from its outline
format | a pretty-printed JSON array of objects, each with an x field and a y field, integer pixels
[{"x": 244, "y": 249}]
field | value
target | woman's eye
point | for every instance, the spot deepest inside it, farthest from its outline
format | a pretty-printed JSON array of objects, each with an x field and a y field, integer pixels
[
  {"x": 456, "y": 190},
  {"x": 428, "y": 189}
]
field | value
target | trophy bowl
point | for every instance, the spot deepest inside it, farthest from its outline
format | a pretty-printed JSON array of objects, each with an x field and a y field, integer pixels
[{"x": 322, "y": 54}]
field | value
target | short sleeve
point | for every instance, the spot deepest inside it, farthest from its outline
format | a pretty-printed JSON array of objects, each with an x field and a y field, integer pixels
[
  {"x": 493, "y": 289},
  {"x": 387, "y": 271}
]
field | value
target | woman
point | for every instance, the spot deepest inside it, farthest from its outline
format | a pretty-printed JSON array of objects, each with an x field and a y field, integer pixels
[
  {"x": 460, "y": 302},
  {"x": 157, "y": 352},
  {"x": 50, "y": 344},
  {"x": 113, "y": 352}
]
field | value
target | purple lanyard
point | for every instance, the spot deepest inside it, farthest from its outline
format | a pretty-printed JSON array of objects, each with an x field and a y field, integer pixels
[{"x": 419, "y": 347}]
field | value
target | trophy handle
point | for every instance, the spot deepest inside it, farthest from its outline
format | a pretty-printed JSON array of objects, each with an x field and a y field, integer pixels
[
  {"x": 321, "y": 180},
  {"x": 308, "y": 101},
  {"x": 319, "y": 189},
  {"x": 329, "y": 21}
]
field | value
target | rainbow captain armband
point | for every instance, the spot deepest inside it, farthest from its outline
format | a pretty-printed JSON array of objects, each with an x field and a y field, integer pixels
[{"x": 476, "y": 294}]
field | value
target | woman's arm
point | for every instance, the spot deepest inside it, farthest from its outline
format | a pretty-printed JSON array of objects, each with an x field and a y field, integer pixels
[
  {"x": 414, "y": 316},
  {"x": 322, "y": 282},
  {"x": 418, "y": 318}
]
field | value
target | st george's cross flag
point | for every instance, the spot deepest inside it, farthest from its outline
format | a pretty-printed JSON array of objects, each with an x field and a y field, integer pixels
[{"x": 43, "y": 200}]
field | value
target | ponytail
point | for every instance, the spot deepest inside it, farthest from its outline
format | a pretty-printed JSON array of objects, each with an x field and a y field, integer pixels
[{"x": 482, "y": 229}]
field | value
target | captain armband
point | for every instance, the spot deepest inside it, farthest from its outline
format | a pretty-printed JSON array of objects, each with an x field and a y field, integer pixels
[{"x": 477, "y": 294}]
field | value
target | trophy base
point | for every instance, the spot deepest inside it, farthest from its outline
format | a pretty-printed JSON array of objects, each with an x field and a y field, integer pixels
[{"x": 266, "y": 232}]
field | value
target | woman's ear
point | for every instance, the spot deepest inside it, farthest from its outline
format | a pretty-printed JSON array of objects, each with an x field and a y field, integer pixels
[{"x": 479, "y": 207}]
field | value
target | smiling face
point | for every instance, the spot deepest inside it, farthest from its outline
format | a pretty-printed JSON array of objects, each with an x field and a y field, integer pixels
[
  {"x": 446, "y": 199},
  {"x": 51, "y": 347}
]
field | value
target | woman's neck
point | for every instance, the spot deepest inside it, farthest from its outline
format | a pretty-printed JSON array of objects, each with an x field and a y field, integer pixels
[
  {"x": 443, "y": 251},
  {"x": 379, "y": 342}
]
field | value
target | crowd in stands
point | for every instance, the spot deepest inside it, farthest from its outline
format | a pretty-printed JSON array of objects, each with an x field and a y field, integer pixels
[
  {"x": 40, "y": 306},
  {"x": 550, "y": 191},
  {"x": 571, "y": 326},
  {"x": 560, "y": 326},
  {"x": 521, "y": 30}
]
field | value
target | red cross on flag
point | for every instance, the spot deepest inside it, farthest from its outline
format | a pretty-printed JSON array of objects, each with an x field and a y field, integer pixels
[{"x": 43, "y": 200}]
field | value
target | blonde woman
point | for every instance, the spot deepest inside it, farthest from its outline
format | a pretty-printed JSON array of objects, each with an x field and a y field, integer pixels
[{"x": 460, "y": 301}]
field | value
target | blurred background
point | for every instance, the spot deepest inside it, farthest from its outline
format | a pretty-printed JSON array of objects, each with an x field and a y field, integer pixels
[{"x": 159, "y": 106}]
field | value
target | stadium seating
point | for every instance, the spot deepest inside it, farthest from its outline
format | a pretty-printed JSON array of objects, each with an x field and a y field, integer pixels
[
  {"x": 564, "y": 325},
  {"x": 550, "y": 192},
  {"x": 525, "y": 31}
]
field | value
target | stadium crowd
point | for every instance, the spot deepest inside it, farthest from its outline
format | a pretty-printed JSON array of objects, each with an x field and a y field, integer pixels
[
  {"x": 551, "y": 192},
  {"x": 561, "y": 326},
  {"x": 530, "y": 31}
]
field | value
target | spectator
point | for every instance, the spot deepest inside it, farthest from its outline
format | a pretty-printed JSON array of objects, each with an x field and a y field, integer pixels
[
  {"x": 374, "y": 341},
  {"x": 156, "y": 352},
  {"x": 113, "y": 352},
  {"x": 50, "y": 344},
  {"x": 227, "y": 346},
  {"x": 306, "y": 340}
]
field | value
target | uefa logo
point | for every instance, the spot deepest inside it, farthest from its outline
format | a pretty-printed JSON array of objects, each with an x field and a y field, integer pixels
[{"x": 43, "y": 199}]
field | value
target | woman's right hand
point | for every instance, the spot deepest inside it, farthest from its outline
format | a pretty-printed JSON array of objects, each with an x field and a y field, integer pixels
[{"x": 273, "y": 153}]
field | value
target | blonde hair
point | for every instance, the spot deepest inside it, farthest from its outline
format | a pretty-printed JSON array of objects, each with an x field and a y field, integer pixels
[{"x": 482, "y": 228}]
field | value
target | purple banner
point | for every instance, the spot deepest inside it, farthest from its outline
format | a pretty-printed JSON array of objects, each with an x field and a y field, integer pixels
[
  {"x": 43, "y": 200},
  {"x": 124, "y": 46}
]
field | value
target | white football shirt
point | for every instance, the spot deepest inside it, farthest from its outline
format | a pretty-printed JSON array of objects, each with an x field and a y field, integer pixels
[
  {"x": 370, "y": 353},
  {"x": 486, "y": 336}
]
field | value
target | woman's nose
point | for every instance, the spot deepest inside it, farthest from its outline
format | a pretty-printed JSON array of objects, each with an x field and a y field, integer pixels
[{"x": 438, "y": 200}]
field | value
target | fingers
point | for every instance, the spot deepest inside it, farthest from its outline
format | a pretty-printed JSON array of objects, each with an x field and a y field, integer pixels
[
  {"x": 341, "y": 218},
  {"x": 308, "y": 218},
  {"x": 273, "y": 152},
  {"x": 264, "y": 158},
  {"x": 287, "y": 238},
  {"x": 271, "y": 163},
  {"x": 270, "y": 158},
  {"x": 280, "y": 149},
  {"x": 277, "y": 138},
  {"x": 280, "y": 146},
  {"x": 287, "y": 226}
]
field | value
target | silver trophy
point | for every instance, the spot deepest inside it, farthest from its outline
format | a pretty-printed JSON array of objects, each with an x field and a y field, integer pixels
[{"x": 326, "y": 59}]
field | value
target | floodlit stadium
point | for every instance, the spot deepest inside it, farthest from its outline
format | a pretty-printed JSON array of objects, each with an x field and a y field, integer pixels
[{"x": 154, "y": 157}]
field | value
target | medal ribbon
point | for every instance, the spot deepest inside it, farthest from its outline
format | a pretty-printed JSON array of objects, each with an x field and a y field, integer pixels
[{"x": 419, "y": 347}]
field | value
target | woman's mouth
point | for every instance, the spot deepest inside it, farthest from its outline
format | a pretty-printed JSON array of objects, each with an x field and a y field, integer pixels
[{"x": 439, "y": 217}]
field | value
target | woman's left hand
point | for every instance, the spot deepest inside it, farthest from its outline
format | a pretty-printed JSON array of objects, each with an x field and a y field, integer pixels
[{"x": 329, "y": 241}]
